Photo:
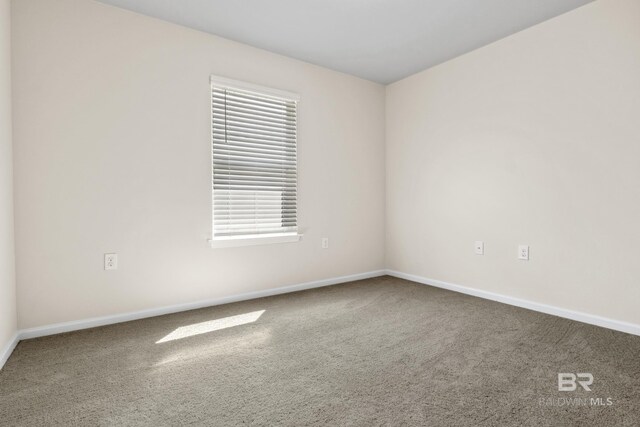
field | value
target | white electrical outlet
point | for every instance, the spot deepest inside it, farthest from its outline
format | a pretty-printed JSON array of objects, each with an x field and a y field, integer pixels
[
  {"x": 110, "y": 261},
  {"x": 479, "y": 247},
  {"x": 325, "y": 243},
  {"x": 523, "y": 252}
]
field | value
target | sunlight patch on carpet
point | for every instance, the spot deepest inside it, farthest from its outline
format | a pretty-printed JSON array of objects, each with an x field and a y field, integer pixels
[{"x": 211, "y": 325}]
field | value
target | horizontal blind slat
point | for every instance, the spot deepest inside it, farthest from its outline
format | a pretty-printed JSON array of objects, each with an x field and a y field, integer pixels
[
  {"x": 231, "y": 94},
  {"x": 251, "y": 172},
  {"x": 219, "y": 112},
  {"x": 219, "y": 141},
  {"x": 245, "y": 110},
  {"x": 243, "y": 123},
  {"x": 283, "y": 186},
  {"x": 255, "y": 186},
  {"x": 257, "y": 149},
  {"x": 230, "y": 100},
  {"x": 242, "y": 227},
  {"x": 247, "y": 219},
  {"x": 255, "y": 160},
  {"x": 227, "y": 133},
  {"x": 238, "y": 195},
  {"x": 260, "y": 210}
]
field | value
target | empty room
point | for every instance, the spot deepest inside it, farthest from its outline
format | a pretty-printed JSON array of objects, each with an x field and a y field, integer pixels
[{"x": 322, "y": 212}]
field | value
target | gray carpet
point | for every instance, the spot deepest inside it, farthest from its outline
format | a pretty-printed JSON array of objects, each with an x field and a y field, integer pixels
[{"x": 382, "y": 351}]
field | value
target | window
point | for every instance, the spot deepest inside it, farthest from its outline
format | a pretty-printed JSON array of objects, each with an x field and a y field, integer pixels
[{"x": 254, "y": 160}]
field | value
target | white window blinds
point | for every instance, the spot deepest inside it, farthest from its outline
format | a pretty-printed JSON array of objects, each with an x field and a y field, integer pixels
[{"x": 254, "y": 160}]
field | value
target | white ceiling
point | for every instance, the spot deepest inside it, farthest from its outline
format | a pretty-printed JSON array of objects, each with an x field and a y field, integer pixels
[{"x": 379, "y": 40}]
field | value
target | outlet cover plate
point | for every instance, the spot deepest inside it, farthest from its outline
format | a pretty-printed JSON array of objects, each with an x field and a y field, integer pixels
[
  {"x": 110, "y": 261},
  {"x": 523, "y": 252}
]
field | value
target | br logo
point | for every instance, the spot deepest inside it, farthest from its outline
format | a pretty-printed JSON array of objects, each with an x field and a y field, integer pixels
[{"x": 567, "y": 381}]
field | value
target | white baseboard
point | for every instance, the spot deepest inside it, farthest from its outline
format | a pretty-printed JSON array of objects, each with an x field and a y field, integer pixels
[
  {"x": 617, "y": 325},
  {"x": 8, "y": 349},
  {"x": 125, "y": 317},
  {"x": 59, "y": 328}
]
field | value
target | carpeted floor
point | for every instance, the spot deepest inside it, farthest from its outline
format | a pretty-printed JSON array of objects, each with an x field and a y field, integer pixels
[{"x": 381, "y": 351}]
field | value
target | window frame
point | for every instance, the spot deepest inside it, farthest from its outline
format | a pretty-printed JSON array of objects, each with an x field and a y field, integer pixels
[{"x": 248, "y": 239}]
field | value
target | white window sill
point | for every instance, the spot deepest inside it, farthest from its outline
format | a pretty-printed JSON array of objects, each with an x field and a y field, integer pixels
[{"x": 255, "y": 239}]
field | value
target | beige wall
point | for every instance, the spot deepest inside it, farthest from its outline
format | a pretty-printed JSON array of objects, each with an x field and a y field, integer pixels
[
  {"x": 112, "y": 153},
  {"x": 535, "y": 140},
  {"x": 7, "y": 282},
  {"x": 531, "y": 140}
]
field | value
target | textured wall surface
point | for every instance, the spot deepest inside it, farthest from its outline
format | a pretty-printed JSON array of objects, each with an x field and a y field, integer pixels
[
  {"x": 112, "y": 154},
  {"x": 534, "y": 140},
  {"x": 7, "y": 275}
]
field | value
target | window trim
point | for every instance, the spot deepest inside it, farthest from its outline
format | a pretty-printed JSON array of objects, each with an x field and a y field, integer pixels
[
  {"x": 251, "y": 239},
  {"x": 254, "y": 240},
  {"x": 257, "y": 89}
]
